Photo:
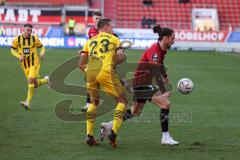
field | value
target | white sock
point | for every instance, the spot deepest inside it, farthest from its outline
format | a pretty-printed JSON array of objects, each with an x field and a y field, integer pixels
[
  {"x": 108, "y": 125},
  {"x": 165, "y": 135},
  {"x": 87, "y": 105}
]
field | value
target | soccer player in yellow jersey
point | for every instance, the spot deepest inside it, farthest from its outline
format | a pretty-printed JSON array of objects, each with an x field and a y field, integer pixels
[
  {"x": 24, "y": 47},
  {"x": 98, "y": 58}
]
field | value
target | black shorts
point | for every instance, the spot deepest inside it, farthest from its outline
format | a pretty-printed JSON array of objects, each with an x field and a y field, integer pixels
[{"x": 143, "y": 93}]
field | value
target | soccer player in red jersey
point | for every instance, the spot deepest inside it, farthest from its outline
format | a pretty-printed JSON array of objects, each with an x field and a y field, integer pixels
[
  {"x": 92, "y": 32},
  {"x": 150, "y": 67}
]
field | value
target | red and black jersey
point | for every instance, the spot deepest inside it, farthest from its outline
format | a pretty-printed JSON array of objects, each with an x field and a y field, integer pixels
[
  {"x": 92, "y": 32},
  {"x": 150, "y": 66}
]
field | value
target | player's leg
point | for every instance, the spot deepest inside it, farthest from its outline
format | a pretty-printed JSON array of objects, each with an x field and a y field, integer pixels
[
  {"x": 134, "y": 111},
  {"x": 139, "y": 101},
  {"x": 32, "y": 83},
  {"x": 163, "y": 103},
  {"x": 35, "y": 72},
  {"x": 119, "y": 112},
  {"x": 25, "y": 104},
  {"x": 84, "y": 109},
  {"x": 42, "y": 81},
  {"x": 111, "y": 84},
  {"x": 91, "y": 114},
  {"x": 117, "y": 119}
]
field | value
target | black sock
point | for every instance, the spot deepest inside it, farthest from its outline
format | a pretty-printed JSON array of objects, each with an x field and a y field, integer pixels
[
  {"x": 164, "y": 119},
  {"x": 88, "y": 98},
  {"x": 127, "y": 115}
]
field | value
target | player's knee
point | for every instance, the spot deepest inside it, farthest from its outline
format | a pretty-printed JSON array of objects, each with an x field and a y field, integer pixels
[
  {"x": 136, "y": 112},
  {"x": 166, "y": 104},
  {"x": 33, "y": 81},
  {"x": 122, "y": 99},
  {"x": 95, "y": 102},
  {"x": 30, "y": 81}
]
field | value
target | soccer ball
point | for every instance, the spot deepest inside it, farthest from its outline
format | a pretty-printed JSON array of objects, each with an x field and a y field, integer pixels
[{"x": 185, "y": 86}]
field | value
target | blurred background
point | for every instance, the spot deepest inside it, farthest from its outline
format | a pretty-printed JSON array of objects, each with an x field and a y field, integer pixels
[{"x": 201, "y": 21}]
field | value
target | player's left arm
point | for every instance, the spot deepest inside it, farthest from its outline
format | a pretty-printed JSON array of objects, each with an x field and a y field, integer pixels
[
  {"x": 157, "y": 72},
  {"x": 164, "y": 73},
  {"x": 41, "y": 47}
]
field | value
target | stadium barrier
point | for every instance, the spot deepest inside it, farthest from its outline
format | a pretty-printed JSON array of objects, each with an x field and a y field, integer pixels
[{"x": 143, "y": 38}]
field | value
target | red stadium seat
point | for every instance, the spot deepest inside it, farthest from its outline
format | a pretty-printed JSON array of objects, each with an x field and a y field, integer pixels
[
  {"x": 49, "y": 2},
  {"x": 172, "y": 13}
]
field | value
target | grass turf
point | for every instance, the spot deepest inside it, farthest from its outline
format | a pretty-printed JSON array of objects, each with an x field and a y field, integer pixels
[{"x": 206, "y": 122}]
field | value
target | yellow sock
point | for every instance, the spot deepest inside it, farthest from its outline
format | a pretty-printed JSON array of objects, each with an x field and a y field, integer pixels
[
  {"x": 90, "y": 118},
  {"x": 118, "y": 117},
  {"x": 30, "y": 92},
  {"x": 41, "y": 81}
]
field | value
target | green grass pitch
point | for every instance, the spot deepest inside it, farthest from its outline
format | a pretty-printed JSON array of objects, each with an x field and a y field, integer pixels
[{"x": 206, "y": 122}]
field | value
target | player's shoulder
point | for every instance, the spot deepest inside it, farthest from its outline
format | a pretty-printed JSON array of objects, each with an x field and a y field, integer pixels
[
  {"x": 34, "y": 36},
  {"x": 17, "y": 37},
  {"x": 152, "y": 48},
  {"x": 112, "y": 36}
]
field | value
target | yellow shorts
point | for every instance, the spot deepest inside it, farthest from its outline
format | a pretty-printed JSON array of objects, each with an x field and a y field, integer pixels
[
  {"x": 106, "y": 81},
  {"x": 32, "y": 72}
]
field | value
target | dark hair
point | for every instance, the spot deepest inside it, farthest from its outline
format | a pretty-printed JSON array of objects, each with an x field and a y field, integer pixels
[
  {"x": 28, "y": 25},
  {"x": 97, "y": 13},
  {"x": 162, "y": 32},
  {"x": 103, "y": 22}
]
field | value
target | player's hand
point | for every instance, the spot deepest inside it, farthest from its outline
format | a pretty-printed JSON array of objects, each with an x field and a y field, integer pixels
[
  {"x": 41, "y": 56},
  {"x": 22, "y": 57},
  {"x": 166, "y": 94}
]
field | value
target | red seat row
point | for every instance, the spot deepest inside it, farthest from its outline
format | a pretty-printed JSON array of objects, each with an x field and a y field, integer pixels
[{"x": 174, "y": 14}]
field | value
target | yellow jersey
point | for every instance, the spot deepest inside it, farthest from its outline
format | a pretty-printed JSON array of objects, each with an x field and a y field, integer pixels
[
  {"x": 101, "y": 51},
  {"x": 28, "y": 47}
]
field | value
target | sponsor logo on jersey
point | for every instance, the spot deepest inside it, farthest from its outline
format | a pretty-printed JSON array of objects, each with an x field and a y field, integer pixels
[{"x": 155, "y": 57}]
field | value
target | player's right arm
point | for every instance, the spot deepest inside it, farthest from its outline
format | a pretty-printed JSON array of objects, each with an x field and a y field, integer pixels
[
  {"x": 120, "y": 54},
  {"x": 82, "y": 64},
  {"x": 14, "y": 51}
]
